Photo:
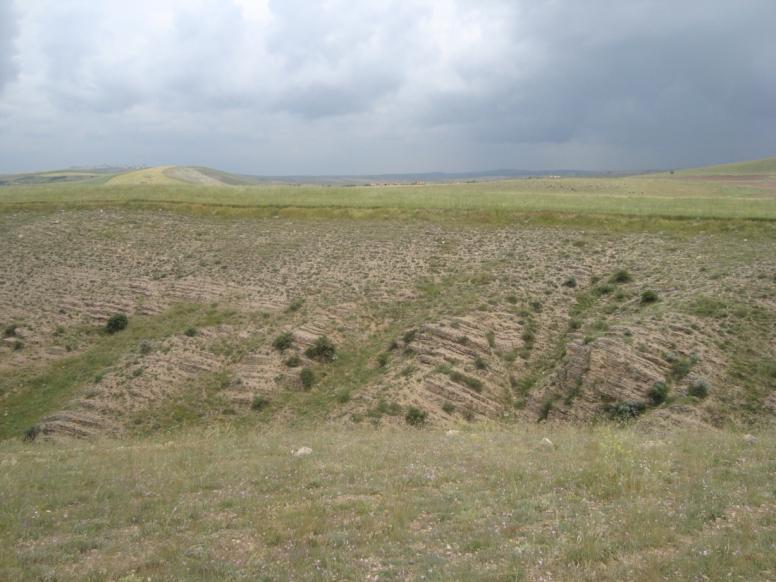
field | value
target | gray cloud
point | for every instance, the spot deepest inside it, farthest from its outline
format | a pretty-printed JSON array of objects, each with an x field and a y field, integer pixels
[
  {"x": 343, "y": 86},
  {"x": 8, "y": 28}
]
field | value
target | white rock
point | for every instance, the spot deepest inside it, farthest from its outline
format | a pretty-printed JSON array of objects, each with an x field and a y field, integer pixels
[
  {"x": 302, "y": 452},
  {"x": 750, "y": 438},
  {"x": 547, "y": 442},
  {"x": 452, "y": 432}
]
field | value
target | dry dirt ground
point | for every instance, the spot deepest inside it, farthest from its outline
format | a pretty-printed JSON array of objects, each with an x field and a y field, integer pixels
[{"x": 465, "y": 322}]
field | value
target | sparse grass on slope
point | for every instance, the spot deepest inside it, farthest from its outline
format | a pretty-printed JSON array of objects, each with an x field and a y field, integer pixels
[
  {"x": 594, "y": 504},
  {"x": 31, "y": 393}
]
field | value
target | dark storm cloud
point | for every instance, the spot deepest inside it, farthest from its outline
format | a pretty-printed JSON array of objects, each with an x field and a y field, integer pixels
[
  {"x": 8, "y": 27},
  {"x": 345, "y": 86}
]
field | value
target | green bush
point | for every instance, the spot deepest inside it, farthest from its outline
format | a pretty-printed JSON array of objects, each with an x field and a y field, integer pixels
[
  {"x": 190, "y": 331},
  {"x": 571, "y": 283},
  {"x": 382, "y": 359},
  {"x": 307, "y": 376},
  {"x": 322, "y": 350},
  {"x": 626, "y": 410},
  {"x": 699, "y": 389},
  {"x": 479, "y": 363},
  {"x": 293, "y": 362},
  {"x": 116, "y": 323},
  {"x": 10, "y": 330},
  {"x": 415, "y": 416},
  {"x": 649, "y": 296},
  {"x": 621, "y": 276},
  {"x": 295, "y": 305},
  {"x": 259, "y": 402},
  {"x": 410, "y": 336},
  {"x": 658, "y": 393},
  {"x": 448, "y": 407},
  {"x": 283, "y": 341}
]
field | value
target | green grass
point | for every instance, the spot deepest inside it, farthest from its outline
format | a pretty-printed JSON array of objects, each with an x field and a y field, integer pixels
[
  {"x": 597, "y": 504},
  {"x": 28, "y": 394},
  {"x": 637, "y": 196}
]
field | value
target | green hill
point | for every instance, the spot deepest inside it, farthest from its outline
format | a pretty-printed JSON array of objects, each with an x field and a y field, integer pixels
[{"x": 753, "y": 167}]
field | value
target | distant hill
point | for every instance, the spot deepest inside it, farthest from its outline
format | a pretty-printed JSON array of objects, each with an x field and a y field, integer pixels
[{"x": 754, "y": 167}]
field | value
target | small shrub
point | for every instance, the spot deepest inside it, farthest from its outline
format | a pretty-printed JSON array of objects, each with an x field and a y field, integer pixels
[
  {"x": 322, "y": 350},
  {"x": 10, "y": 330},
  {"x": 410, "y": 336},
  {"x": 658, "y": 393},
  {"x": 307, "y": 376},
  {"x": 571, "y": 283},
  {"x": 18, "y": 345},
  {"x": 681, "y": 367},
  {"x": 190, "y": 331},
  {"x": 295, "y": 305},
  {"x": 293, "y": 362},
  {"x": 382, "y": 359},
  {"x": 545, "y": 410},
  {"x": 479, "y": 363},
  {"x": 60, "y": 330},
  {"x": 448, "y": 407},
  {"x": 649, "y": 296},
  {"x": 621, "y": 276},
  {"x": 31, "y": 433},
  {"x": 626, "y": 410},
  {"x": 145, "y": 347},
  {"x": 603, "y": 290},
  {"x": 283, "y": 341},
  {"x": 468, "y": 415},
  {"x": 259, "y": 402},
  {"x": 116, "y": 323},
  {"x": 343, "y": 396},
  {"x": 699, "y": 389},
  {"x": 415, "y": 416},
  {"x": 463, "y": 340},
  {"x": 491, "y": 337},
  {"x": 512, "y": 299}
]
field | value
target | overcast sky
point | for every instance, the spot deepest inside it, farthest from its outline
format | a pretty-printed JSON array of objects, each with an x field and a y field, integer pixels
[{"x": 356, "y": 86}]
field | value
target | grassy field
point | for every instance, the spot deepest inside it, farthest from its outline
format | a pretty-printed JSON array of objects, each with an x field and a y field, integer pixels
[
  {"x": 637, "y": 196},
  {"x": 532, "y": 318},
  {"x": 590, "y": 504}
]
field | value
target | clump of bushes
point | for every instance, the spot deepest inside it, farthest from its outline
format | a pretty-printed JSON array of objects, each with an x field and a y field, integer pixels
[
  {"x": 116, "y": 323},
  {"x": 259, "y": 402},
  {"x": 621, "y": 276},
  {"x": 649, "y": 296},
  {"x": 658, "y": 393},
  {"x": 415, "y": 416},
  {"x": 293, "y": 362},
  {"x": 571, "y": 283},
  {"x": 626, "y": 410},
  {"x": 307, "y": 376},
  {"x": 283, "y": 341},
  {"x": 699, "y": 389},
  {"x": 323, "y": 350}
]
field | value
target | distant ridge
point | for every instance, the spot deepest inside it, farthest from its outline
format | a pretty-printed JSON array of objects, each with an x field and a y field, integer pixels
[{"x": 752, "y": 167}]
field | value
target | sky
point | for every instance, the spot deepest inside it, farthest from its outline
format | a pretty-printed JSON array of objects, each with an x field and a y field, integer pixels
[{"x": 279, "y": 87}]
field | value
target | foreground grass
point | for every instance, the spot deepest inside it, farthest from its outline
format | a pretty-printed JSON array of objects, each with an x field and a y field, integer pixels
[{"x": 599, "y": 503}]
